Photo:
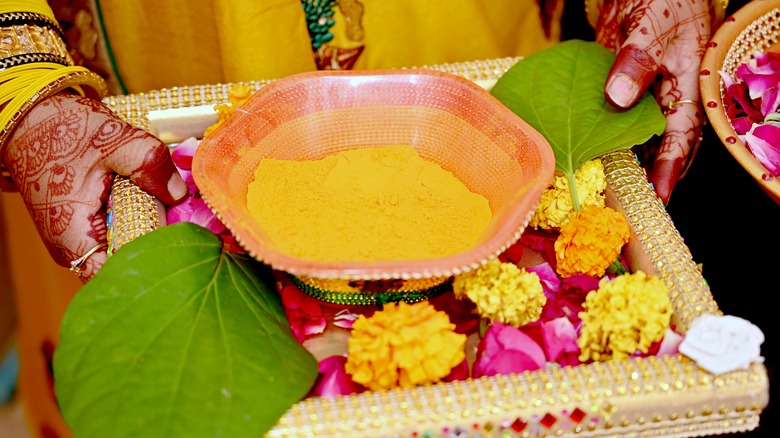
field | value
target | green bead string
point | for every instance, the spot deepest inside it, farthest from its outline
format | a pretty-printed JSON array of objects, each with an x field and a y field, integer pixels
[
  {"x": 319, "y": 20},
  {"x": 371, "y": 298}
]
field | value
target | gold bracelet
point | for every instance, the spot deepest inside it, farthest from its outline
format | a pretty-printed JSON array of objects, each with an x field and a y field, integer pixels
[
  {"x": 10, "y": 18},
  {"x": 592, "y": 8},
  {"x": 718, "y": 13},
  {"x": 26, "y": 43},
  {"x": 72, "y": 79}
]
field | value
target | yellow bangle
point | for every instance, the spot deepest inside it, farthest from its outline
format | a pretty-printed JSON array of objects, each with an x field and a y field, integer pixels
[
  {"x": 36, "y": 7},
  {"x": 34, "y": 64},
  {"x": 20, "y": 105}
]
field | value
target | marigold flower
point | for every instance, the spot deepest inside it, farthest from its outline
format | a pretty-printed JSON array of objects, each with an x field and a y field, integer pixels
[
  {"x": 555, "y": 205},
  {"x": 503, "y": 292},
  {"x": 625, "y": 315},
  {"x": 403, "y": 345},
  {"x": 237, "y": 96},
  {"x": 590, "y": 241}
]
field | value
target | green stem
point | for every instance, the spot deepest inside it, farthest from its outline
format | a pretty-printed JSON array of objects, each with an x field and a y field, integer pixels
[
  {"x": 617, "y": 267},
  {"x": 575, "y": 199}
]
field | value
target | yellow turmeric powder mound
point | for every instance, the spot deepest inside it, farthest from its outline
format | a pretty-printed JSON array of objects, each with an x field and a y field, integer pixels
[{"x": 375, "y": 203}]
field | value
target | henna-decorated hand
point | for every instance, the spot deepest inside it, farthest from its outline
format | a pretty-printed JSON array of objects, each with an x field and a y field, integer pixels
[
  {"x": 63, "y": 157},
  {"x": 659, "y": 46}
]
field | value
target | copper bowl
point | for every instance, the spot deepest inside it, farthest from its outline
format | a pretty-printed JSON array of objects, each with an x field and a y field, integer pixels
[{"x": 448, "y": 119}]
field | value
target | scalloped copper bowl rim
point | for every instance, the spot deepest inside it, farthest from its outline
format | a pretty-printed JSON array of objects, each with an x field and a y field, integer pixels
[
  {"x": 712, "y": 93},
  {"x": 209, "y": 172}
]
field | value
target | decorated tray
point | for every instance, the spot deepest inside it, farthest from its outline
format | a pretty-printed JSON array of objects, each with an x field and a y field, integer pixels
[{"x": 654, "y": 396}]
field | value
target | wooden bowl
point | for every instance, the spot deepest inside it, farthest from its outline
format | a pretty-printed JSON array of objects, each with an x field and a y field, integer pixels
[{"x": 754, "y": 27}]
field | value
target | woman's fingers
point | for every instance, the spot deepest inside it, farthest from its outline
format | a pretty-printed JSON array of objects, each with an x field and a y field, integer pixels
[
  {"x": 130, "y": 151},
  {"x": 659, "y": 49},
  {"x": 63, "y": 157}
]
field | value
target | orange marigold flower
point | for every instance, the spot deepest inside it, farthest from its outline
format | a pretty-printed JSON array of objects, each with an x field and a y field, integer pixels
[
  {"x": 237, "y": 96},
  {"x": 403, "y": 345},
  {"x": 590, "y": 241},
  {"x": 624, "y": 316}
]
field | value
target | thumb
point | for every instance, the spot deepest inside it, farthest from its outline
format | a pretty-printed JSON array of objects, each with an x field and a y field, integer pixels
[
  {"x": 631, "y": 74},
  {"x": 146, "y": 160}
]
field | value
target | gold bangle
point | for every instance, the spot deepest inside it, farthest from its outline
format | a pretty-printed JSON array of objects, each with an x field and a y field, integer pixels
[
  {"x": 25, "y": 43},
  {"x": 69, "y": 79},
  {"x": 718, "y": 13},
  {"x": 592, "y": 8},
  {"x": 9, "y": 18}
]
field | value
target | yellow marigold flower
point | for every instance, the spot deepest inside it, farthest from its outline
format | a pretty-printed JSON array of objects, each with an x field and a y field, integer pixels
[
  {"x": 503, "y": 292},
  {"x": 590, "y": 241},
  {"x": 403, "y": 345},
  {"x": 623, "y": 316},
  {"x": 556, "y": 205},
  {"x": 237, "y": 96}
]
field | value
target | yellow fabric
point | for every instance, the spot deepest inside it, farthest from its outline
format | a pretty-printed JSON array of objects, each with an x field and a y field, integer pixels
[
  {"x": 188, "y": 42},
  {"x": 415, "y": 33},
  {"x": 161, "y": 44}
]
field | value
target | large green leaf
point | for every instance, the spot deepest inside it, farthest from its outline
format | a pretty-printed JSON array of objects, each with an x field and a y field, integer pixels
[
  {"x": 560, "y": 92},
  {"x": 175, "y": 337}
]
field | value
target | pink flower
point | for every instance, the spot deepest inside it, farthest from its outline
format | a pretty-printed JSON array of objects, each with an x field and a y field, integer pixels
[
  {"x": 303, "y": 312},
  {"x": 193, "y": 208},
  {"x": 763, "y": 141},
  {"x": 564, "y": 296},
  {"x": 740, "y": 108},
  {"x": 670, "y": 343},
  {"x": 184, "y": 152},
  {"x": 560, "y": 341},
  {"x": 345, "y": 319},
  {"x": 505, "y": 349},
  {"x": 459, "y": 372},
  {"x": 333, "y": 380}
]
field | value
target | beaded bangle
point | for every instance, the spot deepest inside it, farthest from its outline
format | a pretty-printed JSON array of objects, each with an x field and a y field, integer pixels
[{"x": 66, "y": 77}]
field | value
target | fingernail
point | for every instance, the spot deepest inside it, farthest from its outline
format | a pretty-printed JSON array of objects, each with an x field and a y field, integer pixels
[
  {"x": 177, "y": 187},
  {"x": 622, "y": 90}
]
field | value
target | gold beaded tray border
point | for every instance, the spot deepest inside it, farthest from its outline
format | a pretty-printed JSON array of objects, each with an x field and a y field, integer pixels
[{"x": 657, "y": 396}]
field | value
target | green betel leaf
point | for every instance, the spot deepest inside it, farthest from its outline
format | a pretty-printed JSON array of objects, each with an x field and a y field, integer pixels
[
  {"x": 175, "y": 337},
  {"x": 560, "y": 92}
]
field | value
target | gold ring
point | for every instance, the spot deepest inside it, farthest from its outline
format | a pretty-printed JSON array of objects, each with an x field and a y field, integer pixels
[
  {"x": 75, "y": 265},
  {"x": 674, "y": 104}
]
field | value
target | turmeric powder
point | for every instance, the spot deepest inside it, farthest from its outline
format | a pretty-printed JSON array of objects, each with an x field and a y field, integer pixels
[{"x": 373, "y": 203}]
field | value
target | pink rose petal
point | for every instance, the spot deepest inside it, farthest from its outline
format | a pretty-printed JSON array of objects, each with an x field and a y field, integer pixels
[
  {"x": 184, "y": 152},
  {"x": 506, "y": 349},
  {"x": 560, "y": 338},
  {"x": 763, "y": 141},
  {"x": 345, "y": 319},
  {"x": 459, "y": 372},
  {"x": 303, "y": 313},
  {"x": 333, "y": 379},
  {"x": 670, "y": 343}
]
